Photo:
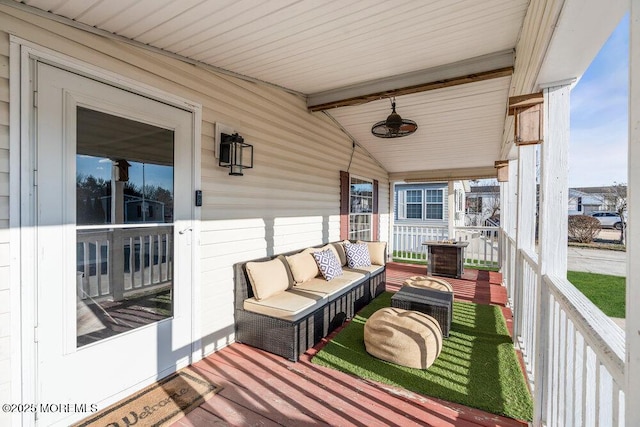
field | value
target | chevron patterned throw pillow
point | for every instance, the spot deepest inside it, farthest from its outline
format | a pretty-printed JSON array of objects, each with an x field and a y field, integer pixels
[{"x": 357, "y": 255}]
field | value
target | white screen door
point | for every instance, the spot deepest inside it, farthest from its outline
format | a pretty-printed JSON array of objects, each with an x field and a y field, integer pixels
[{"x": 113, "y": 210}]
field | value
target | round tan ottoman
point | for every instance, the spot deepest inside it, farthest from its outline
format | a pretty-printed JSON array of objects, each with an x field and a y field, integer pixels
[
  {"x": 428, "y": 282},
  {"x": 404, "y": 337}
]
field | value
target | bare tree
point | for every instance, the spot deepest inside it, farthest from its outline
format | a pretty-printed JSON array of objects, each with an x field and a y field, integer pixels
[
  {"x": 492, "y": 209},
  {"x": 616, "y": 199}
]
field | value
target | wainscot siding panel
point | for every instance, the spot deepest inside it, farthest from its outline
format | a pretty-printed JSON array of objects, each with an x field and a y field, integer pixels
[{"x": 288, "y": 201}]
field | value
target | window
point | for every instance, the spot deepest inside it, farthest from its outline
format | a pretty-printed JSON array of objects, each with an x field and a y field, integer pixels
[
  {"x": 420, "y": 204},
  {"x": 434, "y": 207},
  {"x": 414, "y": 204},
  {"x": 474, "y": 205},
  {"x": 361, "y": 209}
]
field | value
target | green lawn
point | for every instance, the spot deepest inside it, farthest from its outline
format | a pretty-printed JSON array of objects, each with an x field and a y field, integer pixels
[{"x": 606, "y": 292}]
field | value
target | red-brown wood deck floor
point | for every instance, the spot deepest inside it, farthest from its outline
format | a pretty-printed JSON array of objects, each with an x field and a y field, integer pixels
[{"x": 261, "y": 389}]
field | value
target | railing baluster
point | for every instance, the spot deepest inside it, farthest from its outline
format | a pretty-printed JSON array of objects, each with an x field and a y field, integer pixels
[
  {"x": 570, "y": 361},
  {"x": 87, "y": 268},
  {"x": 98, "y": 266},
  {"x": 132, "y": 261}
]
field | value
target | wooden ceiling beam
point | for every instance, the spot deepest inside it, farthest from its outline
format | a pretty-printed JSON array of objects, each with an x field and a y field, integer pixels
[
  {"x": 445, "y": 174},
  {"x": 472, "y": 70},
  {"x": 471, "y": 78}
]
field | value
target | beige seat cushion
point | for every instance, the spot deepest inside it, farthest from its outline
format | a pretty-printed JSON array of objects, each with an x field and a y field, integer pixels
[
  {"x": 290, "y": 305},
  {"x": 428, "y": 282},
  {"x": 371, "y": 269},
  {"x": 377, "y": 252},
  {"x": 331, "y": 288},
  {"x": 303, "y": 266},
  {"x": 267, "y": 278},
  {"x": 404, "y": 337}
]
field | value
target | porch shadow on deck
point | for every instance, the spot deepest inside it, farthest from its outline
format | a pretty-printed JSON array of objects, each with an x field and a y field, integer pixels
[{"x": 263, "y": 389}]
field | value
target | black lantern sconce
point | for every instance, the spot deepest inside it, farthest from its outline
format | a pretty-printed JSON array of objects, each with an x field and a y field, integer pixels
[{"x": 235, "y": 154}]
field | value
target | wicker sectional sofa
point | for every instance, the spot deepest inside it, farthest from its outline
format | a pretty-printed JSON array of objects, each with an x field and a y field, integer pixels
[{"x": 290, "y": 318}]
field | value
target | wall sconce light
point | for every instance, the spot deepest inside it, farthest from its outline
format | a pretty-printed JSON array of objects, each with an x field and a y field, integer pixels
[
  {"x": 527, "y": 110},
  {"x": 235, "y": 154}
]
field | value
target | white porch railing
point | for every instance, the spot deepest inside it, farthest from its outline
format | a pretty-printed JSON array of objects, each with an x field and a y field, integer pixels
[
  {"x": 483, "y": 249},
  {"x": 114, "y": 261},
  {"x": 574, "y": 354},
  {"x": 408, "y": 240},
  {"x": 484, "y": 245}
]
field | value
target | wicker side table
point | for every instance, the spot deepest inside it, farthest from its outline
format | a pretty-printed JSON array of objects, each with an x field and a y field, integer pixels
[{"x": 437, "y": 304}]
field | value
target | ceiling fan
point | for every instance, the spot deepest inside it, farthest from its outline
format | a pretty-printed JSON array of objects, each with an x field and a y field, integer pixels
[{"x": 395, "y": 126}]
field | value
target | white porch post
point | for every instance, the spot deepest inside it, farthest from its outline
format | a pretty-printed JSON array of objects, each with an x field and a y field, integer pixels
[
  {"x": 632, "y": 365},
  {"x": 451, "y": 211},
  {"x": 508, "y": 223},
  {"x": 526, "y": 221},
  {"x": 552, "y": 260}
]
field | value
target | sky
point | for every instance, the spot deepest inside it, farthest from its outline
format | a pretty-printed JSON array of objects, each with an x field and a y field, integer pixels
[{"x": 599, "y": 116}]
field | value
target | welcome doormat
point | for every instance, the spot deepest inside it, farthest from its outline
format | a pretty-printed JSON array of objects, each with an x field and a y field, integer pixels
[{"x": 158, "y": 404}]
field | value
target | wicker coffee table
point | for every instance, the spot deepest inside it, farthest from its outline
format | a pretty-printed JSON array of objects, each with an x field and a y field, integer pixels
[{"x": 437, "y": 304}]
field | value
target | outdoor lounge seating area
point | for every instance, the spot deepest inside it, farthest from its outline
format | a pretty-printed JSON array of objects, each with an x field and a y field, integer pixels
[
  {"x": 287, "y": 303},
  {"x": 260, "y": 387}
]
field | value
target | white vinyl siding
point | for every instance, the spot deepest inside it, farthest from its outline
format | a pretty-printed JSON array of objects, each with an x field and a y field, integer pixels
[
  {"x": 288, "y": 201},
  {"x": 5, "y": 295}
]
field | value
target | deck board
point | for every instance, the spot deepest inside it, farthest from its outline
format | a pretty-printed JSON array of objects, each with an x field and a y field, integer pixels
[{"x": 267, "y": 390}]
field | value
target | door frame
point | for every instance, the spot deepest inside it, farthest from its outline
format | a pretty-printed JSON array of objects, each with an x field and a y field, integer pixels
[{"x": 23, "y": 55}]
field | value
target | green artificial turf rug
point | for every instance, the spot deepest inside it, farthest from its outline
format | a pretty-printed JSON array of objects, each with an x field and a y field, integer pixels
[{"x": 477, "y": 367}]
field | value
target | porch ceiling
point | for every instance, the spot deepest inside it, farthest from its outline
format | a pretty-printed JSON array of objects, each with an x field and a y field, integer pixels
[{"x": 333, "y": 50}]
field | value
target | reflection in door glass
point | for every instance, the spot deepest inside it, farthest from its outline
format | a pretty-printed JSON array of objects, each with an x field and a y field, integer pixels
[{"x": 124, "y": 217}]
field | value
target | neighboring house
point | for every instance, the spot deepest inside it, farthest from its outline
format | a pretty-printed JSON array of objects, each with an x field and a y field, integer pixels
[
  {"x": 585, "y": 200},
  {"x": 583, "y": 203},
  {"x": 429, "y": 203},
  {"x": 483, "y": 202},
  {"x": 483, "y": 205}
]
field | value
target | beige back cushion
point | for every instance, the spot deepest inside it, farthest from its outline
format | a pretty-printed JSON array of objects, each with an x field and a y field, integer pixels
[
  {"x": 267, "y": 278},
  {"x": 342, "y": 255},
  {"x": 303, "y": 266},
  {"x": 377, "y": 252}
]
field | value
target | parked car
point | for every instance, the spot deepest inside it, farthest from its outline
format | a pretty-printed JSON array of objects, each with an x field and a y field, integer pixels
[{"x": 608, "y": 219}]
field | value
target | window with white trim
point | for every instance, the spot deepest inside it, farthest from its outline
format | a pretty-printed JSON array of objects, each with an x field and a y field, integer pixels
[
  {"x": 361, "y": 209},
  {"x": 434, "y": 204},
  {"x": 413, "y": 200},
  {"x": 420, "y": 204}
]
